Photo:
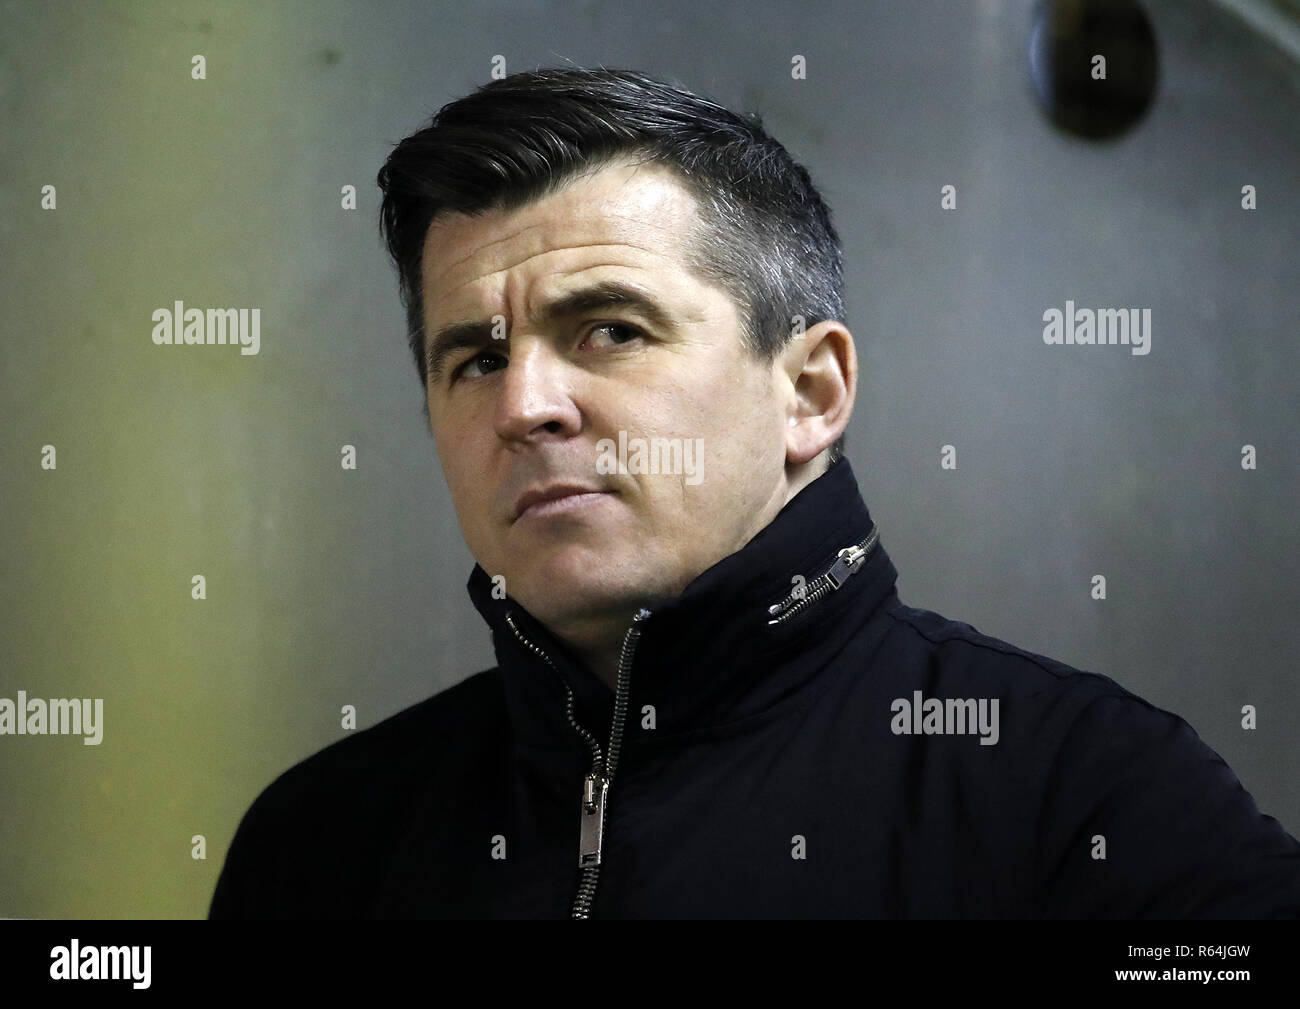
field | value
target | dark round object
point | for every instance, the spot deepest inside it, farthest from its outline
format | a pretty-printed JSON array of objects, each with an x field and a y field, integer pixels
[{"x": 1064, "y": 41}]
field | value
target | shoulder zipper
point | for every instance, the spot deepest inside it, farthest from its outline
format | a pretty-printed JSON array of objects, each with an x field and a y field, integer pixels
[
  {"x": 846, "y": 563},
  {"x": 595, "y": 787}
]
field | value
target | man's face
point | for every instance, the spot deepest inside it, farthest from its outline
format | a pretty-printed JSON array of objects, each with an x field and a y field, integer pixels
[{"x": 531, "y": 411}]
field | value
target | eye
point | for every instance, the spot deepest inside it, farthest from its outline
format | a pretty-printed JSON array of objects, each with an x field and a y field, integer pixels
[
  {"x": 466, "y": 370},
  {"x": 631, "y": 332},
  {"x": 621, "y": 333}
]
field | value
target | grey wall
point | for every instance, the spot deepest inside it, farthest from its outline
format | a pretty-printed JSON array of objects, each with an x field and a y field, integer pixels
[{"x": 328, "y": 588}]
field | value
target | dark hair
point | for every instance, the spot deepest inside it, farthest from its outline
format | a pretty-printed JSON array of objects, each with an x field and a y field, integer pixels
[{"x": 764, "y": 234}]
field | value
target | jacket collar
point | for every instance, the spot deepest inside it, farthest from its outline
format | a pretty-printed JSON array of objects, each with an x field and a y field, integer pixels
[{"x": 708, "y": 657}]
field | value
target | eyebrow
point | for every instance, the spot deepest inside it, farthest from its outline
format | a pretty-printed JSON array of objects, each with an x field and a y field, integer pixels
[{"x": 603, "y": 295}]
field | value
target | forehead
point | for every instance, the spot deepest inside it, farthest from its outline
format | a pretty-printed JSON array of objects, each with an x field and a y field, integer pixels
[{"x": 638, "y": 217}]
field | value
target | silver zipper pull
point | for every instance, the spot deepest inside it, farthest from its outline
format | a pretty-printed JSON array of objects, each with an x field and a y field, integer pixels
[
  {"x": 594, "y": 791},
  {"x": 848, "y": 561}
]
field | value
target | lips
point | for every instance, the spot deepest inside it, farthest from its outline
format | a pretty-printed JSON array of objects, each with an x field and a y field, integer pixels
[{"x": 553, "y": 492}]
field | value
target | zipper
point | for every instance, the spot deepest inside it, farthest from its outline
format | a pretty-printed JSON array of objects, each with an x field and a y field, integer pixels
[
  {"x": 847, "y": 562},
  {"x": 596, "y": 785}
]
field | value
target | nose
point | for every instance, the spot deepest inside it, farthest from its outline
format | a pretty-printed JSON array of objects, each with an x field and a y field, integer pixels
[{"x": 534, "y": 395}]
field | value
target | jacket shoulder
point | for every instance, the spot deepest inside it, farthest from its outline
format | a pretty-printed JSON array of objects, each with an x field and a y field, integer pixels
[
  {"x": 369, "y": 775},
  {"x": 396, "y": 742},
  {"x": 960, "y": 649},
  {"x": 1134, "y": 815}
]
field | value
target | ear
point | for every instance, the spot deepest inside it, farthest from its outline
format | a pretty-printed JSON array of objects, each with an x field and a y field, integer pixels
[{"x": 821, "y": 366}]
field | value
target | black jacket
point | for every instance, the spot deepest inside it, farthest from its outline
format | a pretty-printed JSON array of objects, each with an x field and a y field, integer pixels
[{"x": 761, "y": 769}]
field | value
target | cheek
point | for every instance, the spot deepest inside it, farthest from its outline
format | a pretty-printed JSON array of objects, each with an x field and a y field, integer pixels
[
  {"x": 710, "y": 402},
  {"x": 738, "y": 408}
]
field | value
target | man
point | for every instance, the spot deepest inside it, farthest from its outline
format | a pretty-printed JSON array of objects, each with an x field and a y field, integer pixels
[{"x": 624, "y": 304}]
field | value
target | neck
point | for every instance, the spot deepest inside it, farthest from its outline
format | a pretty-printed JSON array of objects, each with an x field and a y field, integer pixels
[{"x": 599, "y": 644}]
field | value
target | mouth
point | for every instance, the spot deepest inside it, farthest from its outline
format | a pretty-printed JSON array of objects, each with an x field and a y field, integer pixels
[{"x": 561, "y": 499}]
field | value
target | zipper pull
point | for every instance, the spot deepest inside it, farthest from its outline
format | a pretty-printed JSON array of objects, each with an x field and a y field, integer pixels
[
  {"x": 594, "y": 790},
  {"x": 848, "y": 561}
]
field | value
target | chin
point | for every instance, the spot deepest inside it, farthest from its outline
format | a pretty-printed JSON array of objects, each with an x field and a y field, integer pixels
[
  {"x": 573, "y": 582},
  {"x": 570, "y": 574}
]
